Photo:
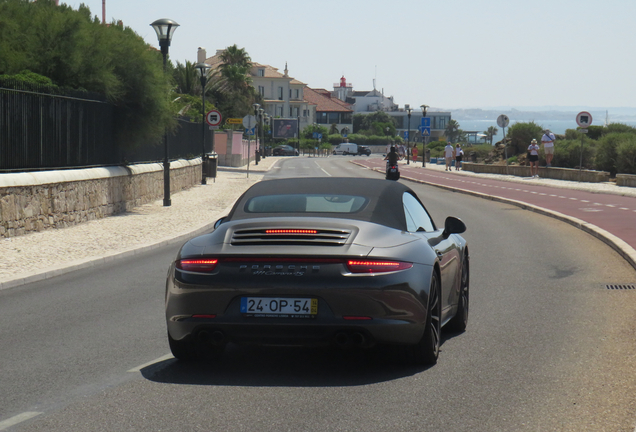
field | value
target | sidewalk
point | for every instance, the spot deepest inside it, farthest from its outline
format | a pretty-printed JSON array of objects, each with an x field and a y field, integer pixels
[{"x": 49, "y": 253}]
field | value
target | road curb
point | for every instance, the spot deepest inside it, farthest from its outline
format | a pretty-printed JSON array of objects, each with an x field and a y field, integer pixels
[{"x": 624, "y": 250}]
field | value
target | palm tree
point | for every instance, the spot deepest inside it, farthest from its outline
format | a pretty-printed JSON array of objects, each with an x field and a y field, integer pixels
[
  {"x": 453, "y": 132},
  {"x": 490, "y": 133}
]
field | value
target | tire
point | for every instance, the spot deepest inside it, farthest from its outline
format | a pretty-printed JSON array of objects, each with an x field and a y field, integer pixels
[
  {"x": 426, "y": 351},
  {"x": 460, "y": 321},
  {"x": 344, "y": 153},
  {"x": 182, "y": 349}
]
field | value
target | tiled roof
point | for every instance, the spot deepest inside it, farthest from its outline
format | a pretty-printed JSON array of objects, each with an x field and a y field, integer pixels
[{"x": 325, "y": 103}]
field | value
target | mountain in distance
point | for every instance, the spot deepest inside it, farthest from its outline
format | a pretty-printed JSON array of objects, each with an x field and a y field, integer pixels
[{"x": 527, "y": 114}]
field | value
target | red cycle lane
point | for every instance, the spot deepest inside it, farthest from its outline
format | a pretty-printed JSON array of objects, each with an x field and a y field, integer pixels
[{"x": 615, "y": 214}]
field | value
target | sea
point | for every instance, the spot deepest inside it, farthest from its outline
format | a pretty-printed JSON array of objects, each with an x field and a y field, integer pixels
[{"x": 556, "y": 126}]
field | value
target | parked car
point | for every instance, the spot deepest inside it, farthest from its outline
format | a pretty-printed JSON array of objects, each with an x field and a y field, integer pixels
[
  {"x": 349, "y": 262},
  {"x": 346, "y": 149},
  {"x": 284, "y": 150},
  {"x": 363, "y": 150}
]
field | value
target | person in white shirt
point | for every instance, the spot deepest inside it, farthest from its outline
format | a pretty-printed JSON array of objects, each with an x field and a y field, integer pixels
[
  {"x": 459, "y": 153},
  {"x": 548, "y": 146},
  {"x": 533, "y": 157},
  {"x": 448, "y": 155}
]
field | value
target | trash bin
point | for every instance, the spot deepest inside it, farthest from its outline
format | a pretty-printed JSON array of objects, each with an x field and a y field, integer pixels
[
  {"x": 473, "y": 157},
  {"x": 257, "y": 156},
  {"x": 210, "y": 167}
]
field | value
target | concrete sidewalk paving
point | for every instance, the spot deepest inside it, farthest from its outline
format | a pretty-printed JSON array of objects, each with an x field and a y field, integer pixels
[{"x": 49, "y": 253}]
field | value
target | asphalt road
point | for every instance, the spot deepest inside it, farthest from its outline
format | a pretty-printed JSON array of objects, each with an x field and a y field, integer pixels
[{"x": 548, "y": 347}]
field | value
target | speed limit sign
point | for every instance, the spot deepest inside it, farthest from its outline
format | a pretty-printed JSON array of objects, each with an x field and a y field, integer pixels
[{"x": 213, "y": 118}]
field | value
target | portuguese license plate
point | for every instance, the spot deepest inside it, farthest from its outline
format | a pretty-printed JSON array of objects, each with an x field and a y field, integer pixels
[{"x": 279, "y": 307}]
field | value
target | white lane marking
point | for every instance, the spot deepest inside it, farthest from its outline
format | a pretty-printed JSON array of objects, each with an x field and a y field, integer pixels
[
  {"x": 610, "y": 205},
  {"x": 323, "y": 170},
  {"x": 562, "y": 197},
  {"x": 591, "y": 209},
  {"x": 623, "y": 208},
  {"x": 5, "y": 424},
  {"x": 160, "y": 359},
  {"x": 585, "y": 201},
  {"x": 552, "y": 195},
  {"x": 573, "y": 199},
  {"x": 542, "y": 194}
]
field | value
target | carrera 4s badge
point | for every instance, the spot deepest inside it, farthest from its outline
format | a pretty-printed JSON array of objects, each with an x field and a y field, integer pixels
[{"x": 279, "y": 269}]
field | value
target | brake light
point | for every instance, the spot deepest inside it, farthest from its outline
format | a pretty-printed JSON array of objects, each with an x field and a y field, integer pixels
[
  {"x": 367, "y": 266},
  {"x": 291, "y": 231},
  {"x": 202, "y": 265},
  {"x": 356, "y": 318}
]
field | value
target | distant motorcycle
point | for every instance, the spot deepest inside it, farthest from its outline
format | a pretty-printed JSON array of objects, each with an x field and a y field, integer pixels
[{"x": 392, "y": 172}]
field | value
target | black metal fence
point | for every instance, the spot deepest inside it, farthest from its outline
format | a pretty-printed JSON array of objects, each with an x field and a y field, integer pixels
[{"x": 42, "y": 127}]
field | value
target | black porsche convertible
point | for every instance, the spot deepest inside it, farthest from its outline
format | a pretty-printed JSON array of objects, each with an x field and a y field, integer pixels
[{"x": 351, "y": 262}]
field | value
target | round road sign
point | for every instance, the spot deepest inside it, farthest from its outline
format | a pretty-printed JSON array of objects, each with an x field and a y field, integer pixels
[
  {"x": 584, "y": 119},
  {"x": 502, "y": 121},
  {"x": 213, "y": 118},
  {"x": 249, "y": 122}
]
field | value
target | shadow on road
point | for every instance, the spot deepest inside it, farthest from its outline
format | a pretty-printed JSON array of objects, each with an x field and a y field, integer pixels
[{"x": 285, "y": 367}]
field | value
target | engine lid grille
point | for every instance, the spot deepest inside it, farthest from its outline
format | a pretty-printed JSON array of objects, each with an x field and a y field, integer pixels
[{"x": 289, "y": 236}]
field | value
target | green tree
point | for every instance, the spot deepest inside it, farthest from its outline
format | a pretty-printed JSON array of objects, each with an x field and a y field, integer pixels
[
  {"x": 232, "y": 89},
  {"x": 453, "y": 131},
  {"x": 521, "y": 134},
  {"x": 76, "y": 51},
  {"x": 490, "y": 133}
]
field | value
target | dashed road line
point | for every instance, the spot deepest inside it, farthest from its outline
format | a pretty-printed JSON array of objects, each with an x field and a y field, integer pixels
[
  {"x": 5, "y": 424},
  {"x": 160, "y": 359}
]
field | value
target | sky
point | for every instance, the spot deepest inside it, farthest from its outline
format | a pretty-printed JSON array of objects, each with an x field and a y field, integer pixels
[{"x": 445, "y": 54}]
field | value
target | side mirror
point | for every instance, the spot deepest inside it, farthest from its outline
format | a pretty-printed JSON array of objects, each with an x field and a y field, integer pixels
[
  {"x": 453, "y": 225},
  {"x": 219, "y": 222}
]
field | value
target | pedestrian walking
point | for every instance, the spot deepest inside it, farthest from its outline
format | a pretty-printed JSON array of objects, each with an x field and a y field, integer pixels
[
  {"x": 547, "y": 140},
  {"x": 459, "y": 155},
  {"x": 448, "y": 155},
  {"x": 533, "y": 157},
  {"x": 414, "y": 153}
]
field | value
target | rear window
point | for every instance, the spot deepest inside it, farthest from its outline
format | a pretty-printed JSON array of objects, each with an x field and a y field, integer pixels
[{"x": 301, "y": 203}]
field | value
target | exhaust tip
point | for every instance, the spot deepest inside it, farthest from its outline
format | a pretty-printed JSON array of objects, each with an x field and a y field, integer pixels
[
  {"x": 358, "y": 339},
  {"x": 342, "y": 339}
]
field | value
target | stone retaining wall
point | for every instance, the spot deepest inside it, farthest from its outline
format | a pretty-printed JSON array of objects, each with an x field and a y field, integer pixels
[
  {"x": 36, "y": 201},
  {"x": 626, "y": 180},
  {"x": 552, "y": 173}
]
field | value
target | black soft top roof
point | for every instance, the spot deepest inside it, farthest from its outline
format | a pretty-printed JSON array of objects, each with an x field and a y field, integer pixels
[{"x": 384, "y": 207}]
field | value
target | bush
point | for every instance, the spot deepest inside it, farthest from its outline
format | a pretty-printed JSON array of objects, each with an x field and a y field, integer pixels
[
  {"x": 626, "y": 155},
  {"x": 619, "y": 127},
  {"x": 567, "y": 154},
  {"x": 482, "y": 150},
  {"x": 606, "y": 156},
  {"x": 521, "y": 134}
]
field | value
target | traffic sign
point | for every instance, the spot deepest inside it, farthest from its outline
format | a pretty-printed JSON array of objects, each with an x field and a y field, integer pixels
[
  {"x": 584, "y": 119},
  {"x": 213, "y": 118},
  {"x": 250, "y": 131},
  {"x": 406, "y": 134},
  {"x": 425, "y": 122},
  {"x": 249, "y": 121},
  {"x": 425, "y": 131},
  {"x": 234, "y": 121},
  {"x": 502, "y": 121}
]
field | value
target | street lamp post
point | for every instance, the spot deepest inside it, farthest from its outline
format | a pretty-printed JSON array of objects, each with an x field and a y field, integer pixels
[
  {"x": 261, "y": 147},
  {"x": 257, "y": 108},
  {"x": 165, "y": 29},
  {"x": 203, "y": 70},
  {"x": 425, "y": 139},
  {"x": 408, "y": 136}
]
